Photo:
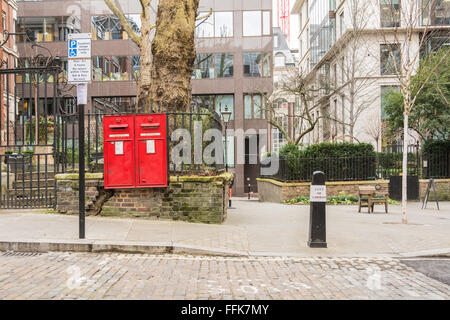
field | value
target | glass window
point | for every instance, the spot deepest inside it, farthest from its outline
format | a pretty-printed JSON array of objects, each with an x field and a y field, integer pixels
[
  {"x": 225, "y": 101},
  {"x": 108, "y": 27},
  {"x": 257, "y": 64},
  {"x": 135, "y": 22},
  {"x": 224, "y": 65},
  {"x": 435, "y": 12},
  {"x": 390, "y": 13},
  {"x": 280, "y": 60},
  {"x": 114, "y": 68},
  {"x": 205, "y": 27},
  {"x": 266, "y": 23},
  {"x": 342, "y": 23},
  {"x": 204, "y": 66},
  {"x": 100, "y": 27},
  {"x": 117, "y": 104},
  {"x": 257, "y": 106},
  {"x": 47, "y": 29},
  {"x": 230, "y": 150},
  {"x": 248, "y": 107},
  {"x": 252, "y": 63},
  {"x": 136, "y": 62},
  {"x": 385, "y": 92},
  {"x": 252, "y": 23},
  {"x": 210, "y": 66},
  {"x": 253, "y": 106},
  {"x": 223, "y": 24},
  {"x": 390, "y": 59},
  {"x": 115, "y": 28}
]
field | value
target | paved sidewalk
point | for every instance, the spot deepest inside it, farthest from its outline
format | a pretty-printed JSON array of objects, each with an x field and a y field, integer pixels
[{"x": 253, "y": 228}]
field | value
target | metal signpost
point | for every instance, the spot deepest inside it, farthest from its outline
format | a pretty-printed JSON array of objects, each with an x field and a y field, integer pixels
[
  {"x": 317, "y": 222},
  {"x": 79, "y": 73}
]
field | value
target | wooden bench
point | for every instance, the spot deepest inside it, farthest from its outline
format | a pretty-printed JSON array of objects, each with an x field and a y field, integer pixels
[{"x": 369, "y": 197}]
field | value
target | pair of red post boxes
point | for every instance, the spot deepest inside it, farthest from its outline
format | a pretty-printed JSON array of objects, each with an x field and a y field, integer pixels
[{"x": 135, "y": 151}]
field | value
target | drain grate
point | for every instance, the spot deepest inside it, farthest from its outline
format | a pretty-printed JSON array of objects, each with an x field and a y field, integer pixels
[{"x": 20, "y": 254}]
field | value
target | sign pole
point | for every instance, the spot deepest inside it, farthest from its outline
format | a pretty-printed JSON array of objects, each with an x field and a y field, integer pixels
[
  {"x": 80, "y": 73},
  {"x": 317, "y": 221},
  {"x": 81, "y": 179}
]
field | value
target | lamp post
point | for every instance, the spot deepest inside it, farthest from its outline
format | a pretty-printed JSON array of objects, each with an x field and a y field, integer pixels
[{"x": 226, "y": 116}]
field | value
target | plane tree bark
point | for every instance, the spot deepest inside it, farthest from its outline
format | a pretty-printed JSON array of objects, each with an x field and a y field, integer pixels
[{"x": 167, "y": 59}]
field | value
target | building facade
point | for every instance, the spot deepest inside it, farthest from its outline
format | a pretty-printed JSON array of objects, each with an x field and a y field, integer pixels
[
  {"x": 285, "y": 106},
  {"x": 234, "y": 58},
  {"x": 8, "y": 55},
  {"x": 349, "y": 50}
]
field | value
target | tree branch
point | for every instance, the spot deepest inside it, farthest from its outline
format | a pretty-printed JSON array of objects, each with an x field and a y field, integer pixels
[
  {"x": 205, "y": 16},
  {"x": 124, "y": 22}
]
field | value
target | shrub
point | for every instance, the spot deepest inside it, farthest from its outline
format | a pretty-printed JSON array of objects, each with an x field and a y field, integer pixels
[{"x": 339, "y": 161}]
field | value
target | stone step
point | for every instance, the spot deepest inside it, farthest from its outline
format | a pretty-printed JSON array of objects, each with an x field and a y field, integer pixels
[
  {"x": 34, "y": 193},
  {"x": 34, "y": 175},
  {"x": 42, "y": 183},
  {"x": 20, "y": 203}
]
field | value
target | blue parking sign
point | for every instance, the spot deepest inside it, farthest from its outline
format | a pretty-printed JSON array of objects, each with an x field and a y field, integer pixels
[
  {"x": 73, "y": 53},
  {"x": 73, "y": 44}
]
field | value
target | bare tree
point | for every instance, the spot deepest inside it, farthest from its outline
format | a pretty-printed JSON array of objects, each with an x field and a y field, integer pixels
[
  {"x": 167, "y": 56},
  {"x": 404, "y": 41},
  {"x": 374, "y": 128},
  {"x": 304, "y": 120}
]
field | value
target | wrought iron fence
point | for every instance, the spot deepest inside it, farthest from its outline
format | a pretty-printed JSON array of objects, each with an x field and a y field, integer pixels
[
  {"x": 390, "y": 161},
  {"x": 377, "y": 166},
  {"x": 336, "y": 169},
  {"x": 437, "y": 164},
  {"x": 28, "y": 132}
]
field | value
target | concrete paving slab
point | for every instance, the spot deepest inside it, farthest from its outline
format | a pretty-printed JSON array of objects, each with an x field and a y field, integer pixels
[{"x": 253, "y": 228}]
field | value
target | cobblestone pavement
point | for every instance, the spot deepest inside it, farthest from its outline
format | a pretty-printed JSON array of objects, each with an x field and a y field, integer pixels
[{"x": 127, "y": 276}]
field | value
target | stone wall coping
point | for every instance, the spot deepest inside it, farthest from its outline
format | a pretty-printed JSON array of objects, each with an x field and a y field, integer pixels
[
  {"x": 329, "y": 183},
  {"x": 75, "y": 176},
  {"x": 435, "y": 180},
  {"x": 224, "y": 177}
]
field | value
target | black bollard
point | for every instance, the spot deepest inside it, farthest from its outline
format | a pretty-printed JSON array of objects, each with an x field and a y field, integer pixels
[{"x": 317, "y": 222}]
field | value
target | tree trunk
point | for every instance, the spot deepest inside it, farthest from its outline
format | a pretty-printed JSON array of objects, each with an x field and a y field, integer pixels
[
  {"x": 144, "y": 98},
  {"x": 405, "y": 168},
  {"x": 173, "y": 50}
]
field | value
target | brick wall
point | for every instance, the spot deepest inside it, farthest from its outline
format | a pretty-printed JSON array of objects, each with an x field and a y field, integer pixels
[
  {"x": 276, "y": 191},
  {"x": 192, "y": 199},
  {"x": 442, "y": 189},
  {"x": 67, "y": 188}
]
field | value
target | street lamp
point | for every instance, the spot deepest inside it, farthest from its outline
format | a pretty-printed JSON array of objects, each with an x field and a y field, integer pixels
[{"x": 226, "y": 116}]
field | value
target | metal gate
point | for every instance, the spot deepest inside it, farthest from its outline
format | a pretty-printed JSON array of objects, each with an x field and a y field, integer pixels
[
  {"x": 390, "y": 167},
  {"x": 29, "y": 129}
]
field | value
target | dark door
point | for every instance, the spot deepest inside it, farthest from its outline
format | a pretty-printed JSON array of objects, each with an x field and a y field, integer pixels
[
  {"x": 395, "y": 188},
  {"x": 251, "y": 167}
]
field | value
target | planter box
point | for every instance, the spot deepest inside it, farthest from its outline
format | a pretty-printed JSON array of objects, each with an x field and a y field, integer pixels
[{"x": 19, "y": 162}]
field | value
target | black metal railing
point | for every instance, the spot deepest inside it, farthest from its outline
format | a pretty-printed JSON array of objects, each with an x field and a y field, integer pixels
[
  {"x": 28, "y": 133},
  {"x": 437, "y": 165},
  {"x": 181, "y": 118},
  {"x": 27, "y": 180},
  {"x": 336, "y": 168}
]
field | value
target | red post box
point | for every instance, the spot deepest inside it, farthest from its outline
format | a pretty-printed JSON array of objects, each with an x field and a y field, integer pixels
[
  {"x": 119, "y": 152},
  {"x": 151, "y": 150}
]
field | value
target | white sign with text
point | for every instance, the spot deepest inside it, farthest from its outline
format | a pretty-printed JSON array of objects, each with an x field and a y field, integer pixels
[
  {"x": 318, "y": 194},
  {"x": 79, "y": 53}
]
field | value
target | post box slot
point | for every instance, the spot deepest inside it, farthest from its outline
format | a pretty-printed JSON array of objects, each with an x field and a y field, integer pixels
[
  {"x": 118, "y": 126},
  {"x": 150, "y": 125}
]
